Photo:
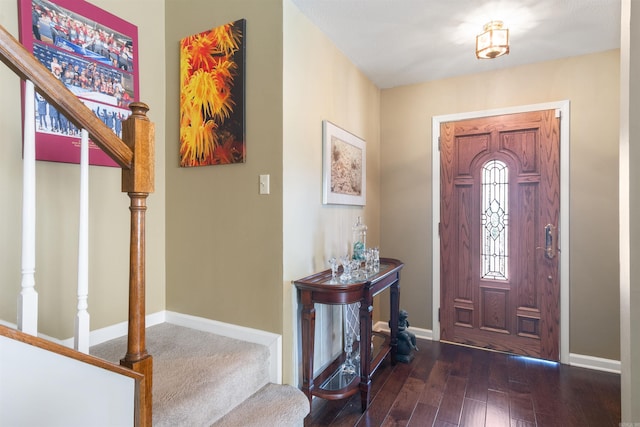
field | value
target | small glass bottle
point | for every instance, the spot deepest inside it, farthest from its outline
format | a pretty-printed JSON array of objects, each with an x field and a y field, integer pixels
[{"x": 359, "y": 240}]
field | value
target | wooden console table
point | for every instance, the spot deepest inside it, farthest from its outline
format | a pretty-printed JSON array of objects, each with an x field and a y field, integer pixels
[{"x": 319, "y": 288}]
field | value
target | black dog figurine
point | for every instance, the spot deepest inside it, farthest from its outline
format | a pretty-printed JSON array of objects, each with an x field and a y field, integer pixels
[{"x": 406, "y": 339}]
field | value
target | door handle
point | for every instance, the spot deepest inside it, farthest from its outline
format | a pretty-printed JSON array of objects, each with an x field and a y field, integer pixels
[{"x": 550, "y": 237}]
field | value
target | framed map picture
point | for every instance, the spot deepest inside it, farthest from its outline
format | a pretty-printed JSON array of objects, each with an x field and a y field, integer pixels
[{"x": 95, "y": 54}]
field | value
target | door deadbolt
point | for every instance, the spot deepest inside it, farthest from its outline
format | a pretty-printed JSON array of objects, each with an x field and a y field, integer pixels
[{"x": 550, "y": 237}]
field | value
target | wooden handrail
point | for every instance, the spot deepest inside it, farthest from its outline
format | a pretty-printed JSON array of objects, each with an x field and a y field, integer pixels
[{"x": 25, "y": 65}]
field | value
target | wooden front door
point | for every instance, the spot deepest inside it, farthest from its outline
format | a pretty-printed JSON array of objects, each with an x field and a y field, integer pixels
[{"x": 499, "y": 211}]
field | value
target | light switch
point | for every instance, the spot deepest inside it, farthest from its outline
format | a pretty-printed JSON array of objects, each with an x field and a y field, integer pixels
[{"x": 264, "y": 184}]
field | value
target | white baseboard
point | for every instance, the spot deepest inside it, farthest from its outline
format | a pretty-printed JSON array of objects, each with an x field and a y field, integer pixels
[
  {"x": 425, "y": 334},
  {"x": 578, "y": 360},
  {"x": 272, "y": 341},
  {"x": 110, "y": 332},
  {"x": 596, "y": 363},
  {"x": 8, "y": 324},
  {"x": 114, "y": 331}
]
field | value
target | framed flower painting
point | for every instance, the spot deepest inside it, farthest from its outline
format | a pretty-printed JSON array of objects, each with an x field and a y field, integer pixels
[{"x": 212, "y": 91}]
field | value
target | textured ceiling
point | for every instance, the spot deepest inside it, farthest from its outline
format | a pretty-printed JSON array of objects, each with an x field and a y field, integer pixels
[{"x": 400, "y": 42}]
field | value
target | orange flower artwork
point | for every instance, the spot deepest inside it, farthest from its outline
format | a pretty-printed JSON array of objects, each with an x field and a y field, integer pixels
[{"x": 212, "y": 96}]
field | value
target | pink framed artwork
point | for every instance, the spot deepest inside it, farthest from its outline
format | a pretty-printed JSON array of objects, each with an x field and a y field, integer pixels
[{"x": 95, "y": 54}]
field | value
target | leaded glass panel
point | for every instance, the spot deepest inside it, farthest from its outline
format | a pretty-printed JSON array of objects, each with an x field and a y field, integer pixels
[{"x": 495, "y": 221}]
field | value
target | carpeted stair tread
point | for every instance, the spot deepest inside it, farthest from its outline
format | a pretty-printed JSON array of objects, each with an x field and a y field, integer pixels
[
  {"x": 197, "y": 376},
  {"x": 272, "y": 405}
]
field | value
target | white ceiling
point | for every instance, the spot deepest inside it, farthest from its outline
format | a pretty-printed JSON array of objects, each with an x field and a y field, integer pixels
[{"x": 400, "y": 42}]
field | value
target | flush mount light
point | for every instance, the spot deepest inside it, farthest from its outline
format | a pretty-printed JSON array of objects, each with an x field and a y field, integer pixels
[{"x": 493, "y": 42}]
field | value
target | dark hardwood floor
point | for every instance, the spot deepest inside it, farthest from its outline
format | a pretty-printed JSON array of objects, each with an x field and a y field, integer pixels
[{"x": 449, "y": 385}]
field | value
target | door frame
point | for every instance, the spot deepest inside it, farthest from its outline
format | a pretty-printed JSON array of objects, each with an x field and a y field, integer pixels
[{"x": 564, "y": 109}]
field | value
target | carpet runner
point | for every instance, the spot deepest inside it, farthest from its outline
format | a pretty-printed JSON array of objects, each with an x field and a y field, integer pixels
[{"x": 203, "y": 379}]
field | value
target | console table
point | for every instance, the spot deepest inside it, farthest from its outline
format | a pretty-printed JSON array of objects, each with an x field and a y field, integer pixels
[{"x": 320, "y": 288}]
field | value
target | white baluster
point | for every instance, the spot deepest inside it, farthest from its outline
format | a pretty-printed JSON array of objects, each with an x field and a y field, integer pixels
[
  {"x": 28, "y": 298},
  {"x": 81, "y": 341}
]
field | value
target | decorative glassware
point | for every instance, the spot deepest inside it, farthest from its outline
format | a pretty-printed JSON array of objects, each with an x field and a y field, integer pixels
[
  {"x": 376, "y": 260},
  {"x": 356, "y": 272},
  {"x": 348, "y": 367},
  {"x": 333, "y": 263},
  {"x": 351, "y": 328},
  {"x": 368, "y": 261},
  {"x": 359, "y": 240},
  {"x": 346, "y": 268}
]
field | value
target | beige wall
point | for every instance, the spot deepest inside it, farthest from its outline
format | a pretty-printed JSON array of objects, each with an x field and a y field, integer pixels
[
  {"x": 629, "y": 210},
  {"x": 320, "y": 83},
  {"x": 224, "y": 240},
  {"x": 591, "y": 84},
  {"x": 57, "y": 202},
  {"x": 232, "y": 252}
]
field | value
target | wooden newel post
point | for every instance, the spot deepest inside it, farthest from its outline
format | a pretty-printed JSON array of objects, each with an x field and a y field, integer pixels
[{"x": 138, "y": 182}]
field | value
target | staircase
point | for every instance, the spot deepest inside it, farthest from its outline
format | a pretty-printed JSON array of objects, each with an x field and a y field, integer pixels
[
  {"x": 203, "y": 379},
  {"x": 192, "y": 378}
]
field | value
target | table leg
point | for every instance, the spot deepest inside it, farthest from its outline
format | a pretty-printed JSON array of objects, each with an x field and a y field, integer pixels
[
  {"x": 366, "y": 325},
  {"x": 308, "y": 319},
  {"x": 393, "y": 323},
  {"x": 365, "y": 388}
]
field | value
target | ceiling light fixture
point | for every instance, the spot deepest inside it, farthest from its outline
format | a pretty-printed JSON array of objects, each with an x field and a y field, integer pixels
[{"x": 493, "y": 42}]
